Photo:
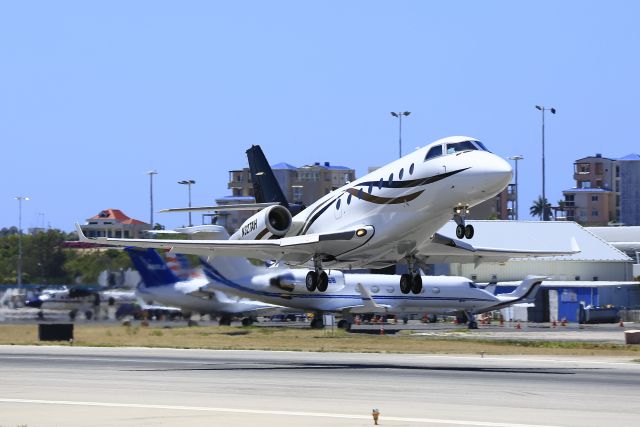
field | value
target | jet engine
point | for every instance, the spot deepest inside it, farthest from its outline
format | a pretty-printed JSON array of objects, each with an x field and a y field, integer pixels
[{"x": 272, "y": 221}]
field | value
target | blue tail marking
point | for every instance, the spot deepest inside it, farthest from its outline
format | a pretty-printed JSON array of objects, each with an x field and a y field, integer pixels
[{"x": 152, "y": 268}]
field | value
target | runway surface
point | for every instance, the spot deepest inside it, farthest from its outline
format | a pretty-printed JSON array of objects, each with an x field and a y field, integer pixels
[{"x": 72, "y": 386}]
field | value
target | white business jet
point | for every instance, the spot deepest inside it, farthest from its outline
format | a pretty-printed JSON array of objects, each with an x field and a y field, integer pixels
[
  {"x": 388, "y": 216},
  {"x": 350, "y": 294}
]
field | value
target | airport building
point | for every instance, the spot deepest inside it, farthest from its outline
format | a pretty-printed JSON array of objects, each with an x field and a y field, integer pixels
[
  {"x": 114, "y": 223},
  {"x": 599, "y": 275},
  {"x": 596, "y": 261}
]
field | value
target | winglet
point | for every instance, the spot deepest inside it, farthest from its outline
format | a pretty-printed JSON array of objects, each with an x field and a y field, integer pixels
[
  {"x": 575, "y": 248},
  {"x": 81, "y": 235}
]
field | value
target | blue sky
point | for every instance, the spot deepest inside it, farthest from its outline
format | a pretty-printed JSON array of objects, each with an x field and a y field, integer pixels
[{"x": 94, "y": 94}]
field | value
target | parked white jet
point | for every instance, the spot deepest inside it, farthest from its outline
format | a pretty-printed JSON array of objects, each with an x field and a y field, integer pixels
[
  {"x": 388, "y": 216},
  {"x": 189, "y": 291},
  {"x": 78, "y": 299},
  {"x": 349, "y": 294}
]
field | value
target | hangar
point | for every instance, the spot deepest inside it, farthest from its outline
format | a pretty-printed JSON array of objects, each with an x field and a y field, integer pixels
[
  {"x": 596, "y": 261},
  {"x": 599, "y": 275}
]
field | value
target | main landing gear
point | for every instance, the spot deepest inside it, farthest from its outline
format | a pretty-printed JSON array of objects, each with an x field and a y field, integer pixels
[
  {"x": 412, "y": 281},
  {"x": 462, "y": 230},
  {"x": 473, "y": 324},
  {"x": 317, "y": 279}
]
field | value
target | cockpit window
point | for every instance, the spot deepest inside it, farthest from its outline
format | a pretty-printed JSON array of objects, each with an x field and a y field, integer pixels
[
  {"x": 457, "y": 147},
  {"x": 472, "y": 285},
  {"x": 434, "y": 152},
  {"x": 481, "y": 145}
]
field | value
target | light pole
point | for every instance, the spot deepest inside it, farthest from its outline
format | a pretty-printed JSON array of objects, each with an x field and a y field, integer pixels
[
  {"x": 188, "y": 183},
  {"x": 545, "y": 214},
  {"x": 151, "y": 173},
  {"x": 515, "y": 159},
  {"x": 20, "y": 199},
  {"x": 399, "y": 116}
]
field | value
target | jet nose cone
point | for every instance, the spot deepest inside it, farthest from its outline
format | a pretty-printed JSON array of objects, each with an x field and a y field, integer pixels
[
  {"x": 503, "y": 168},
  {"x": 495, "y": 173}
]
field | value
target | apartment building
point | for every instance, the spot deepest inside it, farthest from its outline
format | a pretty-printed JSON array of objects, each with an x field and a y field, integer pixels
[{"x": 606, "y": 191}]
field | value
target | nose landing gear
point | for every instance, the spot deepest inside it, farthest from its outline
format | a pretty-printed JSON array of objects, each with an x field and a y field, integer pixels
[{"x": 462, "y": 230}]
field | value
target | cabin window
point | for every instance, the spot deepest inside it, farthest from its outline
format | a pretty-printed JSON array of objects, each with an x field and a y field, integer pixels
[
  {"x": 401, "y": 174},
  {"x": 435, "y": 290},
  {"x": 434, "y": 152},
  {"x": 390, "y": 179},
  {"x": 360, "y": 193},
  {"x": 370, "y": 188},
  {"x": 411, "y": 169},
  {"x": 380, "y": 184},
  {"x": 338, "y": 204},
  {"x": 349, "y": 199},
  {"x": 375, "y": 289}
]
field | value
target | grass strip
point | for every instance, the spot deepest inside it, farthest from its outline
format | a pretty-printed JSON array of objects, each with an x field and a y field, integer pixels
[{"x": 261, "y": 338}]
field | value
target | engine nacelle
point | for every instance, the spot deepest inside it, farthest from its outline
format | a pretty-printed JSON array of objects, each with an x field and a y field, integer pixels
[{"x": 272, "y": 221}]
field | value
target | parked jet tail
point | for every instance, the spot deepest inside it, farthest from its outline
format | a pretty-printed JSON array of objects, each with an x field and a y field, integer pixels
[
  {"x": 265, "y": 185},
  {"x": 152, "y": 268},
  {"x": 180, "y": 265}
]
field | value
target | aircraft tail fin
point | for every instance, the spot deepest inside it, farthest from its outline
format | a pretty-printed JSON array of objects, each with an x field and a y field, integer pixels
[
  {"x": 225, "y": 269},
  {"x": 152, "y": 268},
  {"x": 525, "y": 292},
  {"x": 265, "y": 185},
  {"x": 180, "y": 265}
]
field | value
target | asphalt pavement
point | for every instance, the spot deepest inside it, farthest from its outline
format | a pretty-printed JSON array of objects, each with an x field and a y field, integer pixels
[{"x": 74, "y": 386}]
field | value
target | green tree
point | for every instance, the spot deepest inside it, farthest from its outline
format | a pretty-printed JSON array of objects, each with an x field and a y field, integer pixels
[
  {"x": 85, "y": 266},
  {"x": 540, "y": 208}
]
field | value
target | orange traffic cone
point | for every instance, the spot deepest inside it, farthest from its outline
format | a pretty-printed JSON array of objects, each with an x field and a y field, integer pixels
[
  {"x": 381, "y": 329},
  {"x": 501, "y": 320},
  {"x": 518, "y": 326},
  {"x": 554, "y": 324},
  {"x": 564, "y": 321},
  {"x": 621, "y": 323}
]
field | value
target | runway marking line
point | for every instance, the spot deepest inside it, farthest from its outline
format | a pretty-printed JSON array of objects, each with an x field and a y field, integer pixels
[{"x": 265, "y": 412}]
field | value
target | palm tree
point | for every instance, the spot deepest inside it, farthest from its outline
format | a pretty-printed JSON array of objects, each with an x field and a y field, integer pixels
[{"x": 541, "y": 208}]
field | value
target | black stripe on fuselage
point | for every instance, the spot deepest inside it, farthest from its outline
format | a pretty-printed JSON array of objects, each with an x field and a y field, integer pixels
[{"x": 380, "y": 200}]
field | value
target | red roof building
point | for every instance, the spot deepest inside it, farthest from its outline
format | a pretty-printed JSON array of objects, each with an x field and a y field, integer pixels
[{"x": 114, "y": 223}]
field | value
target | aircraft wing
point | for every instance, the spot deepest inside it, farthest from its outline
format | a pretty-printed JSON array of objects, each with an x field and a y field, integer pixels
[
  {"x": 236, "y": 207},
  {"x": 369, "y": 305},
  {"x": 295, "y": 249},
  {"x": 446, "y": 249}
]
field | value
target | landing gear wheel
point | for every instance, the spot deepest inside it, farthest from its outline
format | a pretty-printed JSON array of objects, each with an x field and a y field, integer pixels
[
  {"x": 344, "y": 324},
  {"x": 460, "y": 229},
  {"x": 316, "y": 323},
  {"x": 473, "y": 325},
  {"x": 416, "y": 284},
  {"x": 323, "y": 282},
  {"x": 405, "y": 283},
  {"x": 247, "y": 321},
  {"x": 468, "y": 231},
  {"x": 225, "y": 321},
  {"x": 311, "y": 281}
]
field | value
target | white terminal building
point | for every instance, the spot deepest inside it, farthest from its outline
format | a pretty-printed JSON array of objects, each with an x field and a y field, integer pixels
[{"x": 599, "y": 275}]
